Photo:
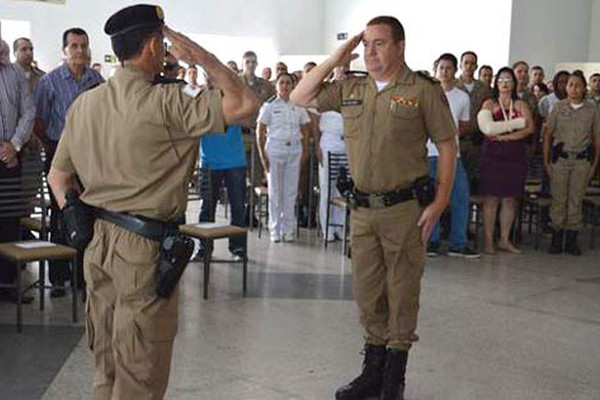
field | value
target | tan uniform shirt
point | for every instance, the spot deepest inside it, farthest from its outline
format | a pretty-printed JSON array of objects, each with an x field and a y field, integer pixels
[
  {"x": 386, "y": 131},
  {"x": 132, "y": 143},
  {"x": 574, "y": 128},
  {"x": 479, "y": 94},
  {"x": 528, "y": 97},
  {"x": 261, "y": 88}
]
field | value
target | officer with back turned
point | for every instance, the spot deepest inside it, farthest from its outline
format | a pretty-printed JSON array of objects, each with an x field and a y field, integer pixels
[
  {"x": 132, "y": 143},
  {"x": 388, "y": 117}
]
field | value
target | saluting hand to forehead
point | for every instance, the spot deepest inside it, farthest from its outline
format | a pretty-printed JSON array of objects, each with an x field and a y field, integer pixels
[
  {"x": 185, "y": 49},
  {"x": 343, "y": 55}
]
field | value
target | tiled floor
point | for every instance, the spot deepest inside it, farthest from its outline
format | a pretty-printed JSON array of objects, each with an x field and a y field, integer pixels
[{"x": 521, "y": 327}]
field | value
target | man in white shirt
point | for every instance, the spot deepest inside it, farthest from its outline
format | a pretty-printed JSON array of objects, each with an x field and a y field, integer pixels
[{"x": 460, "y": 105}]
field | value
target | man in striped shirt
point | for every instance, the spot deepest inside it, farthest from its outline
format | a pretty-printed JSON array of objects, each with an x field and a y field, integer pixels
[
  {"x": 55, "y": 92},
  {"x": 16, "y": 121}
]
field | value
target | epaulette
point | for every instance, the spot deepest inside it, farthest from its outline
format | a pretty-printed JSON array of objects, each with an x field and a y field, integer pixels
[
  {"x": 427, "y": 77},
  {"x": 271, "y": 99},
  {"x": 165, "y": 80}
]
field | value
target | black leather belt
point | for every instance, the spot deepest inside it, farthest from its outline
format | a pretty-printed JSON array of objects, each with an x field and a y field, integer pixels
[
  {"x": 572, "y": 155},
  {"x": 381, "y": 200},
  {"x": 143, "y": 226}
]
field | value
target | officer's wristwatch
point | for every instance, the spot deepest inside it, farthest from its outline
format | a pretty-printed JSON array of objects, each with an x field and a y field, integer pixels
[{"x": 17, "y": 146}]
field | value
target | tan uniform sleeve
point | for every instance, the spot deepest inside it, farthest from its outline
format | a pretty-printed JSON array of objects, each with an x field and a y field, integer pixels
[
  {"x": 436, "y": 111},
  {"x": 552, "y": 119},
  {"x": 191, "y": 117},
  {"x": 330, "y": 97},
  {"x": 62, "y": 157},
  {"x": 596, "y": 125}
]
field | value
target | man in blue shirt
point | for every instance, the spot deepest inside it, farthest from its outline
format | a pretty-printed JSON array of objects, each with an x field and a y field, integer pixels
[
  {"x": 225, "y": 158},
  {"x": 55, "y": 92}
]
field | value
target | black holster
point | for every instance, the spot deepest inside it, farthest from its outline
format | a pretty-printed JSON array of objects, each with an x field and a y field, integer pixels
[
  {"x": 555, "y": 152},
  {"x": 78, "y": 221},
  {"x": 345, "y": 185},
  {"x": 424, "y": 190},
  {"x": 175, "y": 252}
]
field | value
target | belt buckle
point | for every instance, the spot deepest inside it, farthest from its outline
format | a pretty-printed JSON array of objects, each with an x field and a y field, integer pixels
[
  {"x": 376, "y": 200},
  {"x": 571, "y": 155}
]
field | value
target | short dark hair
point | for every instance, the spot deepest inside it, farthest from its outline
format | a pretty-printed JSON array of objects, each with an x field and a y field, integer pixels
[
  {"x": 595, "y": 74},
  {"x": 393, "y": 23},
  {"x": 96, "y": 65},
  {"x": 130, "y": 45},
  {"x": 537, "y": 68},
  {"x": 468, "y": 53},
  {"x": 74, "y": 31},
  {"x": 520, "y": 62},
  {"x": 283, "y": 74},
  {"x": 249, "y": 53},
  {"x": 579, "y": 74},
  {"x": 495, "y": 91},
  {"x": 486, "y": 67},
  {"x": 16, "y": 43},
  {"x": 447, "y": 57}
]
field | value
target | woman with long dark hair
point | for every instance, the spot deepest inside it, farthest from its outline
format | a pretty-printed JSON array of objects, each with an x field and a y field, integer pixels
[{"x": 506, "y": 122}]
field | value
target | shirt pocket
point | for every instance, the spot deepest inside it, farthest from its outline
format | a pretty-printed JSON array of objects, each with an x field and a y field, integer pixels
[{"x": 352, "y": 117}]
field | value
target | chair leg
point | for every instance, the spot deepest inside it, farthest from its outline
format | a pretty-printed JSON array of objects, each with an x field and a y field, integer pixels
[
  {"x": 74, "y": 287},
  {"x": 208, "y": 249},
  {"x": 538, "y": 226},
  {"x": 19, "y": 300},
  {"x": 245, "y": 273},
  {"x": 344, "y": 233},
  {"x": 42, "y": 282},
  {"x": 260, "y": 215}
]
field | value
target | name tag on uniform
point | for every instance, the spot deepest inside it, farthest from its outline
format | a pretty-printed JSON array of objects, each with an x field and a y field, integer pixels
[
  {"x": 190, "y": 91},
  {"x": 351, "y": 102}
]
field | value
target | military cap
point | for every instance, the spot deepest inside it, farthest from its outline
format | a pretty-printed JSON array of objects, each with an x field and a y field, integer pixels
[{"x": 134, "y": 18}]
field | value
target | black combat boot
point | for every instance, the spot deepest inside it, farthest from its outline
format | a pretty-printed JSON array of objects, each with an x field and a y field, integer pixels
[
  {"x": 368, "y": 383},
  {"x": 393, "y": 375},
  {"x": 572, "y": 247},
  {"x": 557, "y": 241}
]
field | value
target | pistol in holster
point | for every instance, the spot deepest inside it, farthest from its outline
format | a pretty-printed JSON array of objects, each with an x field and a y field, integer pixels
[
  {"x": 77, "y": 221},
  {"x": 424, "y": 190},
  {"x": 556, "y": 150},
  {"x": 175, "y": 252},
  {"x": 345, "y": 185}
]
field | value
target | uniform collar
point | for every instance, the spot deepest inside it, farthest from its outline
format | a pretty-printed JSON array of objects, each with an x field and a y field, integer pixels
[
  {"x": 129, "y": 72},
  {"x": 405, "y": 76}
]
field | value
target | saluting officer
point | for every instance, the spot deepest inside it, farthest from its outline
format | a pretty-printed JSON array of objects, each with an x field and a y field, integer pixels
[
  {"x": 282, "y": 136},
  {"x": 388, "y": 117},
  {"x": 133, "y": 143},
  {"x": 573, "y": 130}
]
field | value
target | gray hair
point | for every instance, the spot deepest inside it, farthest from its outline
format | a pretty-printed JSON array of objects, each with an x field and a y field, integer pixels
[{"x": 4, "y": 48}]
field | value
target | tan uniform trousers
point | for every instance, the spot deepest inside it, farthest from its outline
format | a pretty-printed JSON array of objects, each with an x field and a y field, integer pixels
[
  {"x": 259, "y": 172},
  {"x": 388, "y": 260},
  {"x": 568, "y": 185},
  {"x": 130, "y": 330},
  {"x": 470, "y": 154}
]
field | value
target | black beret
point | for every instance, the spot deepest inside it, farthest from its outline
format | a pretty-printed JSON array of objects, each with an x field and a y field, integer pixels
[{"x": 134, "y": 18}]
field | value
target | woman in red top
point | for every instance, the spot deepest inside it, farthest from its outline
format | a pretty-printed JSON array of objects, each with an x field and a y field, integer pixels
[{"x": 506, "y": 121}]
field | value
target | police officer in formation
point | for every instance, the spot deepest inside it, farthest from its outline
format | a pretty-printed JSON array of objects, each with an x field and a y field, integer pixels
[
  {"x": 132, "y": 143},
  {"x": 571, "y": 153},
  {"x": 388, "y": 117}
]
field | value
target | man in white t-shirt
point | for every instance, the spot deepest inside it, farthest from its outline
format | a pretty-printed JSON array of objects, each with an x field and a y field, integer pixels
[{"x": 460, "y": 106}]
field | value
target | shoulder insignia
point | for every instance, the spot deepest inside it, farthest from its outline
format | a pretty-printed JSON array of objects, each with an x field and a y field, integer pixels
[
  {"x": 271, "y": 99},
  {"x": 163, "y": 80},
  {"x": 427, "y": 77}
]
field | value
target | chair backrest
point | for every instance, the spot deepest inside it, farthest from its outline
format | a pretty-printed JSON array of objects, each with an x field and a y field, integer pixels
[
  {"x": 21, "y": 193},
  {"x": 335, "y": 161}
]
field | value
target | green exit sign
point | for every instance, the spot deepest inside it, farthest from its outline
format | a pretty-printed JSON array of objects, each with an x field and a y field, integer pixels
[{"x": 110, "y": 58}]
